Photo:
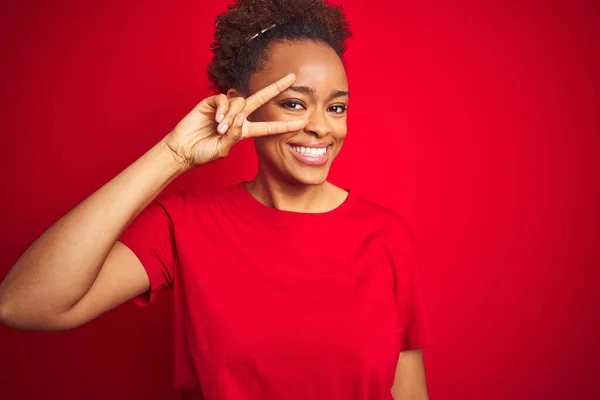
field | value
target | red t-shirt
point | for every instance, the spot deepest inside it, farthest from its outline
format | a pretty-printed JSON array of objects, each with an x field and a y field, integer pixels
[{"x": 272, "y": 304}]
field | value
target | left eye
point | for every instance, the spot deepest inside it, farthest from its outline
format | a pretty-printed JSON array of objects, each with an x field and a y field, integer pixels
[
  {"x": 338, "y": 109},
  {"x": 293, "y": 105}
]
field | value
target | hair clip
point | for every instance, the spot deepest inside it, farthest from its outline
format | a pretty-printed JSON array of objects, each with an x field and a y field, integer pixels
[{"x": 260, "y": 33}]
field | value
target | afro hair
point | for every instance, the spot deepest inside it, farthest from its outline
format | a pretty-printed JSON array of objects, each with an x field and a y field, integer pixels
[{"x": 235, "y": 57}]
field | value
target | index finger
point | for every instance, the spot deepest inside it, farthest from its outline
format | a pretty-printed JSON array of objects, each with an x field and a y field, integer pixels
[{"x": 262, "y": 96}]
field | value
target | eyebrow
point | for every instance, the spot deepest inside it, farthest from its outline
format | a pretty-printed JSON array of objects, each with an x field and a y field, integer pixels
[
  {"x": 339, "y": 93},
  {"x": 310, "y": 90}
]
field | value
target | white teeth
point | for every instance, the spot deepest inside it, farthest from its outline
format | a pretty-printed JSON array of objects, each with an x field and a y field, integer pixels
[{"x": 311, "y": 151}]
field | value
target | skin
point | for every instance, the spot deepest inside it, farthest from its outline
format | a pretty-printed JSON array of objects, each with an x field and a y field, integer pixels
[
  {"x": 319, "y": 95},
  {"x": 77, "y": 269},
  {"x": 409, "y": 380}
]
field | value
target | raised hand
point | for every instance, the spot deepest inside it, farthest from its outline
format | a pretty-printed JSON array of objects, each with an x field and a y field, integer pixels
[{"x": 211, "y": 129}]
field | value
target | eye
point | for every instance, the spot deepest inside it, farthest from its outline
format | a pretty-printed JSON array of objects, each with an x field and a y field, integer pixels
[
  {"x": 293, "y": 105},
  {"x": 339, "y": 109}
]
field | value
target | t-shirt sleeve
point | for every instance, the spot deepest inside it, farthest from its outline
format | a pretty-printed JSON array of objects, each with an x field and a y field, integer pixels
[
  {"x": 413, "y": 314},
  {"x": 150, "y": 236}
]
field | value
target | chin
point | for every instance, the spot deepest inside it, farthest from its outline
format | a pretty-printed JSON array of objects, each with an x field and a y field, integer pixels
[
  {"x": 309, "y": 178},
  {"x": 287, "y": 167}
]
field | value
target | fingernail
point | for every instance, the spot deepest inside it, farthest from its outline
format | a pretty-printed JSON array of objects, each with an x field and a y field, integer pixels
[
  {"x": 223, "y": 128},
  {"x": 240, "y": 120},
  {"x": 220, "y": 117}
]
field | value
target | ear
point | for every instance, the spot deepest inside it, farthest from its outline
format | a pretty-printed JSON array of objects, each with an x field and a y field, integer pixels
[{"x": 231, "y": 93}]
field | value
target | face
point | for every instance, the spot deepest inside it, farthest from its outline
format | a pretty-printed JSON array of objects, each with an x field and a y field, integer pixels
[{"x": 319, "y": 95}]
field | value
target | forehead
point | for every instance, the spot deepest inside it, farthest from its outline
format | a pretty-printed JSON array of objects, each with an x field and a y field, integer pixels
[{"x": 314, "y": 64}]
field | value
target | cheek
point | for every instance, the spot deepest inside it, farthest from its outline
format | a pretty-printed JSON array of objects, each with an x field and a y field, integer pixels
[
  {"x": 256, "y": 116},
  {"x": 270, "y": 146},
  {"x": 340, "y": 129},
  {"x": 267, "y": 112}
]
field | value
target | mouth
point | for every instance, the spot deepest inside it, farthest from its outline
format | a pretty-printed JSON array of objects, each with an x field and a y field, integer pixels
[{"x": 311, "y": 154}]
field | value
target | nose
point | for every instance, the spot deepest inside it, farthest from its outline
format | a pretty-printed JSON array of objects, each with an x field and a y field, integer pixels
[{"x": 318, "y": 125}]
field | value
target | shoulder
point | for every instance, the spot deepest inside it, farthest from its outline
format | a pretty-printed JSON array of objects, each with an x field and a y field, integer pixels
[
  {"x": 391, "y": 221},
  {"x": 197, "y": 200}
]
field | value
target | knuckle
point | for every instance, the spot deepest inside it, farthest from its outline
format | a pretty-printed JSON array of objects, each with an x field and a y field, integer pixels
[
  {"x": 244, "y": 132},
  {"x": 224, "y": 151},
  {"x": 238, "y": 103},
  {"x": 262, "y": 99},
  {"x": 205, "y": 103}
]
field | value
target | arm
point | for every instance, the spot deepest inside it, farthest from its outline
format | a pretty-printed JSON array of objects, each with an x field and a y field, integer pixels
[
  {"x": 409, "y": 381},
  {"x": 76, "y": 270}
]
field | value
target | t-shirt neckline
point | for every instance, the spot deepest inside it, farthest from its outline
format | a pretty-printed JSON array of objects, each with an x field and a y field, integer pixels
[{"x": 288, "y": 218}]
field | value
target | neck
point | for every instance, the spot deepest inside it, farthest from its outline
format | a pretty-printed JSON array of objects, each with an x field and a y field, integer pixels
[{"x": 288, "y": 196}]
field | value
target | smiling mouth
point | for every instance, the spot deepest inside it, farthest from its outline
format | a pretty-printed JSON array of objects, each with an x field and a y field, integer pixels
[{"x": 313, "y": 156}]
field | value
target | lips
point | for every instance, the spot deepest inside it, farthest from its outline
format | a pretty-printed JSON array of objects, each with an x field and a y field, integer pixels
[{"x": 312, "y": 145}]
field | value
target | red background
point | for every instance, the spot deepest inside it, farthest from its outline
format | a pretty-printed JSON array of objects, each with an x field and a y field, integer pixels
[{"x": 478, "y": 121}]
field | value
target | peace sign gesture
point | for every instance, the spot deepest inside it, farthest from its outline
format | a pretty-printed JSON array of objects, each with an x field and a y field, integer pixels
[{"x": 211, "y": 129}]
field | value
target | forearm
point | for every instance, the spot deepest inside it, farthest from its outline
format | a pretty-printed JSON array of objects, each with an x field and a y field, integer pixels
[
  {"x": 399, "y": 394},
  {"x": 409, "y": 381},
  {"x": 59, "y": 268}
]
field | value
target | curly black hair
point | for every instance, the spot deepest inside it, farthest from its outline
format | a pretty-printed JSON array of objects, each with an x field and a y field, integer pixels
[{"x": 235, "y": 58}]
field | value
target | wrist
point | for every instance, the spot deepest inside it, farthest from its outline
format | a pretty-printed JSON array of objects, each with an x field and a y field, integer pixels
[{"x": 172, "y": 161}]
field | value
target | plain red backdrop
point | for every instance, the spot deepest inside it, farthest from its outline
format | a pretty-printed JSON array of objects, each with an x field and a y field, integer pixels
[{"x": 478, "y": 121}]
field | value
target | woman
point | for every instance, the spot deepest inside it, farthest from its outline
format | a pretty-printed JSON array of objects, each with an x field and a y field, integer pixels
[{"x": 286, "y": 287}]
